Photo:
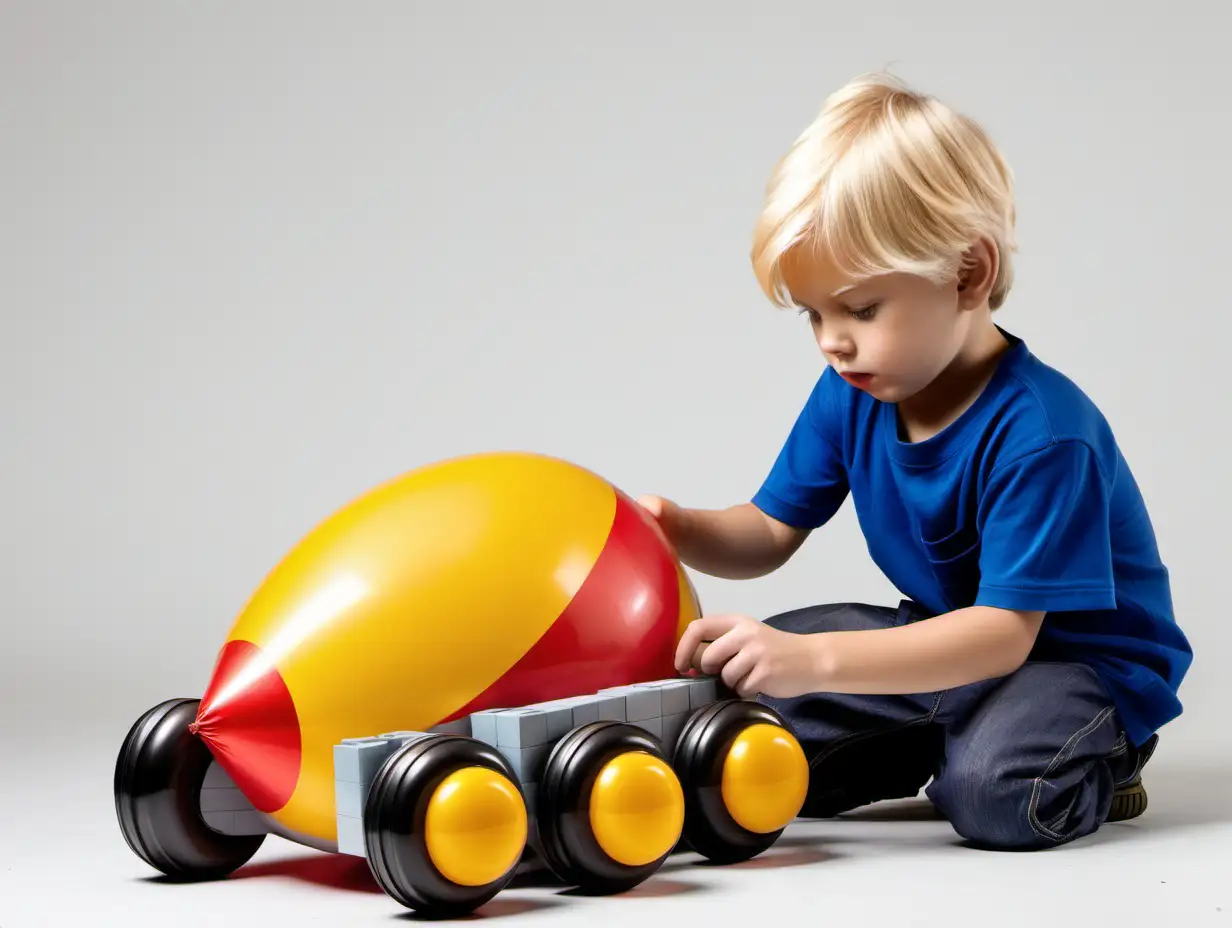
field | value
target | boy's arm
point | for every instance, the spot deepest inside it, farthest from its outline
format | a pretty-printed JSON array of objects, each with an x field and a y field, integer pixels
[
  {"x": 953, "y": 649},
  {"x": 945, "y": 651},
  {"x": 736, "y": 543}
]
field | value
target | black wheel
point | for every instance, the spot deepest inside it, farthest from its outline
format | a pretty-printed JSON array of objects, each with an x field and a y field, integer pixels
[
  {"x": 744, "y": 775},
  {"x": 609, "y": 809},
  {"x": 158, "y": 778},
  {"x": 445, "y": 825}
]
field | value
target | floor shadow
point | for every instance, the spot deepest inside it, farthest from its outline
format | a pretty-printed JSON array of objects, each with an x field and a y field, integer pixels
[
  {"x": 788, "y": 851},
  {"x": 657, "y": 887},
  {"x": 781, "y": 857},
  {"x": 902, "y": 810},
  {"x": 331, "y": 871},
  {"x": 351, "y": 874},
  {"x": 503, "y": 906}
]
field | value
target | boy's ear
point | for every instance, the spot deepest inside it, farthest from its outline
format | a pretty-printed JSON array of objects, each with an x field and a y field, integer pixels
[
  {"x": 965, "y": 268},
  {"x": 977, "y": 272}
]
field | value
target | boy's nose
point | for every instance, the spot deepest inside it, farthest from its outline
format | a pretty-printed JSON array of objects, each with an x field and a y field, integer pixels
[{"x": 837, "y": 345}]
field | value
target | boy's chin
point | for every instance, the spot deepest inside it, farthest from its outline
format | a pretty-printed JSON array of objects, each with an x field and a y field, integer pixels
[{"x": 881, "y": 389}]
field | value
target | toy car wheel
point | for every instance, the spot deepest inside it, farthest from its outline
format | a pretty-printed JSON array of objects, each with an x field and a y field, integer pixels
[
  {"x": 745, "y": 778},
  {"x": 609, "y": 808},
  {"x": 445, "y": 825},
  {"x": 158, "y": 777}
]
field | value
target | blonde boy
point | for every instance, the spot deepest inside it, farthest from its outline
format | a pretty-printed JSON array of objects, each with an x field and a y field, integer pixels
[{"x": 1025, "y": 673}]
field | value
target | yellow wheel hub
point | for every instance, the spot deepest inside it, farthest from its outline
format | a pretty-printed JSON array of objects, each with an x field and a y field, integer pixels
[
  {"x": 475, "y": 826},
  {"x": 636, "y": 808},
  {"x": 765, "y": 778}
]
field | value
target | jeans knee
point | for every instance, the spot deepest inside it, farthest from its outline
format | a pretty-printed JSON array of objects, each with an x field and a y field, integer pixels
[
  {"x": 1011, "y": 813},
  {"x": 986, "y": 812}
]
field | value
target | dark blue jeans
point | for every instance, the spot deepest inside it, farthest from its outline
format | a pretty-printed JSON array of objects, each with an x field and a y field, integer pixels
[{"x": 1022, "y": 762}]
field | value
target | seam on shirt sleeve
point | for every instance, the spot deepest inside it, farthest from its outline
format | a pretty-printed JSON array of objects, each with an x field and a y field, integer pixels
[
  {"x": 1047, "y": 599},
  {"x": 788, "y": 513}
]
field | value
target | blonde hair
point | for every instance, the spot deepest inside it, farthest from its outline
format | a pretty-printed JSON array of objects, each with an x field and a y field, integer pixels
[{"x": 887, "y": 179}]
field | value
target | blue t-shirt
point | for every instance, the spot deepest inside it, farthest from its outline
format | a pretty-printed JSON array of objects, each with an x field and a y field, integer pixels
[{"x": 1024, "y": 502}]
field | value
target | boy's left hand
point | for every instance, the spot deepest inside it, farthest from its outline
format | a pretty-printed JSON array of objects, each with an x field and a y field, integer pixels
[{"x": 750, "y": 656}]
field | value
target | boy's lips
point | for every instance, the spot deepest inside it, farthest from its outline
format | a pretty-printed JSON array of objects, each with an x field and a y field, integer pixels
[{"x": 859, "y": 378}]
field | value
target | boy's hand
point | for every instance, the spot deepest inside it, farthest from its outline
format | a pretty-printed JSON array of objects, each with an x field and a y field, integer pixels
[
  {"x": 667, "y": 514},
  {"x": 750, "y": 656}
]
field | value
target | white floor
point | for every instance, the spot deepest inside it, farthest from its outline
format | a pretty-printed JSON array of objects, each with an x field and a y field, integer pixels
[{"x": 63, "y": 862}]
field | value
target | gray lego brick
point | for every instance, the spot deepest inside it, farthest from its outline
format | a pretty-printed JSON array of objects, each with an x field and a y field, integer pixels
[
  {"x": 483, "y": 726},
  {"x": 223, "y": 799},
  {"x": 595, "y": 707},
  {"x": 521, "y": 728},
  {"x": 460, "y": 726},
  {"x": 249, "y": 823},
  {"x": 349, "y": 797},
  {"x": 223, "y": 822},
  {"x": 402, "y": 737},
  {"x": 351, "y": 836},
  {"x": 642, "y": 703},
  {"x": 528, "y": 762},
  {"x": 558, "y": 716},
  {"x": 703, "y": 691},
  {"x": 586, "y": 711},
  {"x": 674, "y": 694},
  {"x": 654, "y": 726},
  {"x": 672, "y": 727},
  {"x": 357, "y": 760},
  {"x": 612, "y": 707},
  {"x": 236, "y": 823}
]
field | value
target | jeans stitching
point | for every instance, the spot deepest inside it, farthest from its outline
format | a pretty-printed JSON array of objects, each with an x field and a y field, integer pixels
[
  {"x": 1064, "y": 814},
  {"x": 1067, "y": 749}
]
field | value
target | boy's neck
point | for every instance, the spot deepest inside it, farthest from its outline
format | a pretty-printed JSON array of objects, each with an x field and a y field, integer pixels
[{"x": 947, "y": 397}]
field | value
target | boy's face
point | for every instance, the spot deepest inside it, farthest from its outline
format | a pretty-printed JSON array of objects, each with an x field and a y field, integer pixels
[{"x": 889, "y": 335}]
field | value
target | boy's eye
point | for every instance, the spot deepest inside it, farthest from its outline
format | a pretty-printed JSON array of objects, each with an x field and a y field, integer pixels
[
  {"x": 865, "y": 313},
  {"x": 805, "y": 311}
]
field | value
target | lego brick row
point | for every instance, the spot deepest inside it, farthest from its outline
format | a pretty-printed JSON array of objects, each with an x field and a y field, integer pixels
[{"x": 524, "y": 735}]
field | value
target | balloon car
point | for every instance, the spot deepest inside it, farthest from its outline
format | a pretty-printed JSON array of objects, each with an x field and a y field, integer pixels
[{"x": 465, "y": 671}]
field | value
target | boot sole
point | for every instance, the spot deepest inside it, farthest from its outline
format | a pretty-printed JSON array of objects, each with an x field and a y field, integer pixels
[{"x": 1128, "y": 803}]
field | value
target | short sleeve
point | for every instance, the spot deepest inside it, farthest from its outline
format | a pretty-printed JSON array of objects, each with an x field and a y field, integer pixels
[
  {"x": 808, "y": 481},
  {"x": 1045, "y": 538}
]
